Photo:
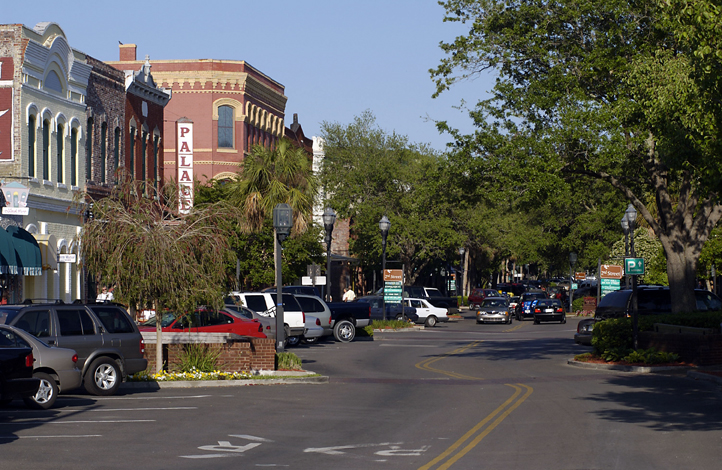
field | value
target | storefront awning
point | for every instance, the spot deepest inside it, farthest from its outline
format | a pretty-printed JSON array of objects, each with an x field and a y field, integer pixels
[
  {"x": 48, "y": 250},
  {"x": 8, "y": 260},
  {"x": 27, "y": 252}
]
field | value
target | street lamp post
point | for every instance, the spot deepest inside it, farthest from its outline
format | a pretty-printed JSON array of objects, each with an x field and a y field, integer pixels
[
  {"x": 462, "y": 250},
  {"x": 572, "y": 262},
  {"x": 384, "y": 225},
  {"x": 282, "y": 223},
  {"x": 625, "y": 227},
  {"x": 631, "y": 216},
  {"x": 329, "y": 218}
]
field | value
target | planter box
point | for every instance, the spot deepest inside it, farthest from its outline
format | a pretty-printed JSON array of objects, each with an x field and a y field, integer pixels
[{"x": 702, "y": 350}]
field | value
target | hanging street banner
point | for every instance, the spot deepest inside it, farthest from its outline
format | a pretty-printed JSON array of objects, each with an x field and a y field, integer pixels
[
  {"x": 609, "y": 285},
  {"x": 184, "y": 133},
  {"x": 611, "y": 271}
]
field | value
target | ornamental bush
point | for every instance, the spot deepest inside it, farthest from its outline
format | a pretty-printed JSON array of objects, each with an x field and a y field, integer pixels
[{"x": 612, "y": 334}]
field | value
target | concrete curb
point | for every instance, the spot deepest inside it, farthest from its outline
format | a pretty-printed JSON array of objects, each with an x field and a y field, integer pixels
[
  {"x": 697, "y": 375},
  {"x": 623, "y": 368},
  {"x": 278, "y": 378},
  {"x": 400, "y": 330}
]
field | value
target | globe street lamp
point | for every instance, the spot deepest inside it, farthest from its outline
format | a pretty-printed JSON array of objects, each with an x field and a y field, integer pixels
[
  {"x": 572, "y": 263},
  {"x": 462, "y": 250},
  {"x": 384, "y": 225},
  {"x": 631, "y": 216},
  {"x": 282, "y": 223},
  {"x": 329, "y": 218}
]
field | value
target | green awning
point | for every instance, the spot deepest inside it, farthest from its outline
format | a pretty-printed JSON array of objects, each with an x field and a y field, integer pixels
[
  {"x": 8, "y": 261},
  {"x": 27, "y": 252}
]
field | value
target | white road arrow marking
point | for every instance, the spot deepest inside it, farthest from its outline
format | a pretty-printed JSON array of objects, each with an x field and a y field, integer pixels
[
  {"x": 396, "y": 451},
  {"x": 336, "y": 450},
  {"x": 250, "y": 438},
  {"x": 225, "y": 446}
]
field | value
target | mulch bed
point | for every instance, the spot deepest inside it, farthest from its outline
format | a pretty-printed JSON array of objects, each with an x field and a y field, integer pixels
[{"x": 595, "y": 360}]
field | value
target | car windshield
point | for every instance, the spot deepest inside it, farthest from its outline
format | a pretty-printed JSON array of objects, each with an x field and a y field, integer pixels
[
  {"x": 168, "y": 318},
  {"x": 493, "y": 303}
]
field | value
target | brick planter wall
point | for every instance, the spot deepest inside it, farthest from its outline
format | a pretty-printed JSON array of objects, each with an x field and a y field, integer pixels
[
  {"x": 702, "y": 350},
  {"x": 237, "y": 355}
]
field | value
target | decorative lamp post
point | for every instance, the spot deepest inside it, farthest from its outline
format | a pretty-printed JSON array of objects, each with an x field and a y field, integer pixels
[
  {"x": 329, "y": 218},
  {"x": 572, "y": 263},
  {"x": 625, "y": 227},
  {"x": 462, "y": 250},
  {"x": 384, "y": 225},
  {"x": 631, "y": 215},
  {"x": 282, "y": 223}
]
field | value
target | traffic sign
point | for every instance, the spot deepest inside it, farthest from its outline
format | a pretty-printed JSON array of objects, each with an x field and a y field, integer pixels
[
  {"x": 580, "y": 276},
  {"x": 634, "y": 266},
  {"x": 609, "y": 285},
  {"x": 611, "y": 271},
  {"x": 394, "y": 275},
  {"x": 393, "y": 291}
]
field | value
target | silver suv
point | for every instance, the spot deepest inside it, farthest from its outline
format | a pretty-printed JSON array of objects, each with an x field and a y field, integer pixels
[{"x": 107, "y": 341}]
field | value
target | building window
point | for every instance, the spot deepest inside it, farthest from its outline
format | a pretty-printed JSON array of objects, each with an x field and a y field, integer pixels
[
  {"x": 60, "y": 144},
  {"x": 103, "y": 150},
  {"x": 143, "y": 158},
  {"x": 31, "y": 145},
  {"x": 116, "y": 151},
  {"x": 132, "y": 152},
  {"x": 46, "y": 150},
  {"x": 89, "y": 150},
  {"x": 52, "y": 82},
  {"x": 74, "y": 157},
  {"x": 155, "y": 160},
  {"x": 225, "y": 127}
]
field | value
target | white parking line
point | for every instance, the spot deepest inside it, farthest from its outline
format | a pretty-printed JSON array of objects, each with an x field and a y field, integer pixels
[
  {"x": 67, "y": 436},
  {"x": 103, "y": 410},
  {"x": 144, "y": 398},
  {"x": 23, "y": 423},
  {"x": 408, "y": 345}
]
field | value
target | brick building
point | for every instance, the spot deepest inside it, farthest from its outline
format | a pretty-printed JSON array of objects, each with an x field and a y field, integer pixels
[{"x": 233, "y": 106}]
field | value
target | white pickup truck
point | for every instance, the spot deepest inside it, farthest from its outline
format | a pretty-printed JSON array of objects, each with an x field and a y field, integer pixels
[{"x": 264, "y": 303}]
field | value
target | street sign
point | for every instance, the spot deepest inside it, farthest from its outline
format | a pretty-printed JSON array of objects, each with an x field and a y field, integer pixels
[
  {"x": 394, "y": 275},
  {"x": 609, "y": 285},
  {"x": 634, "y": 266},
  {"x": 575, "y": 286},
  {"x": 611, "y": 271},
  {"x": 393, "y": 291},
  {"x": 580, "y": 276}
]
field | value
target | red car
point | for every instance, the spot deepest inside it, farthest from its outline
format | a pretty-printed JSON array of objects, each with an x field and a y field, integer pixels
[
  {"x": 477, "y": 295},
  {"x": 207, "y": 321}
]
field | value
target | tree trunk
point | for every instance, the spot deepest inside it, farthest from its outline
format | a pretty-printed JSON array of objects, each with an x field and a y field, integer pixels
[
  {"x": 158, "y": 339},
  {"x": 682, "y": 273}
]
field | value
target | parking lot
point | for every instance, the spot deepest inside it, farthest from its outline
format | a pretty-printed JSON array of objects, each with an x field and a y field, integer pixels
[{"x": 459, "y": 395}]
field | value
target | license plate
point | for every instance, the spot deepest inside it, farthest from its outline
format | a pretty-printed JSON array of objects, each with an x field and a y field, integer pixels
[{"x": 548, "y": 310}]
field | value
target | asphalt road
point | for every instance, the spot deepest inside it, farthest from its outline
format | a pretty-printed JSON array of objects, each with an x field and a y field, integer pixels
[{"x": 457, "y": 396}]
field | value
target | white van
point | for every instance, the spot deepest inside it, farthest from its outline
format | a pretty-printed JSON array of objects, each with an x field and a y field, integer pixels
[{"x": 264, "y": 303}]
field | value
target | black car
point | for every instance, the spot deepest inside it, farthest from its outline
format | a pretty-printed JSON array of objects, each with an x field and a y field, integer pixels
[
  {"x": 549, "y": 310},
  {"x": 393, "y": 310},
  {"x": 16, "y": 367},
  {"x": 523, "y": 308},
  {"x": 651, "y": 300}
]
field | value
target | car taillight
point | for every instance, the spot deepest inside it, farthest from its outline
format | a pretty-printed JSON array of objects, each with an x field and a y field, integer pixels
[
  {"x": 329, "y": 320},
  {"x": 304, "y": 317},
  {"x": 29, "y": 360},
  {"x": 536, "y": 310},
  {"x": 142, "y": 346},
  {"x": 318, "y": 322},
  {"x": 559, "y": 310},
  {"x": 268, "y": 327},
  {"x": 75, "y": 358}
]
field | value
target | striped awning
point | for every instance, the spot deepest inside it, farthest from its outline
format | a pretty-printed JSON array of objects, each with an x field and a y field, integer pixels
[
  {"x": 27, "y": 252},
  {"x": 8, "y": 260}
]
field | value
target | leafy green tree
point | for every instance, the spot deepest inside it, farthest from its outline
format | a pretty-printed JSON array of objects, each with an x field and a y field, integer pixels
[
  {"x": 151, "y": 254},
  {"x": 623, "y": 92},
  {"x": 647, "y": 247}
]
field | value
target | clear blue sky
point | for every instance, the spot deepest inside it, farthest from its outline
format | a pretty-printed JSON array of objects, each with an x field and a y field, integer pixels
[{"x": 336, "y": 58}]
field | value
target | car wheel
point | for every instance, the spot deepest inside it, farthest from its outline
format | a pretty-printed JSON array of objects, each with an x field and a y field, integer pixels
[
  {"x": 310, "y": 340},
  {"x": 430, "y": 321},
  {"x": 471, "y": 307},
  {"x": 103, "y": 377},
  {"x": 47, "y": 393},
  {"x": 293, "y": 340},
  {"x": 344, "y": 331}
]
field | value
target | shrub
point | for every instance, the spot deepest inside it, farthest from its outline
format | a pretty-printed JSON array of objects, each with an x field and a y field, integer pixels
[
  {"x": 288, "y": 361},
  {"x": 578, "y": 304},
  {"x": 650, "y": 356},
  {"x": 367, "y": 330},
  {"x": 584, "y": 357},
  {"x": 384, "y": 324},
  {"x": 611, "y": 334},
  {"x": 199, "y": 357}
]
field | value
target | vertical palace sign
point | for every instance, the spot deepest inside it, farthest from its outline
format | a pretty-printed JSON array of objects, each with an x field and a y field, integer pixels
[{"x": 184, "y": 133}]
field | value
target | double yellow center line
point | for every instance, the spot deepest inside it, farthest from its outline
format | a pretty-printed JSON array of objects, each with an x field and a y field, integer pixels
[{"x": 472, "y": 438}]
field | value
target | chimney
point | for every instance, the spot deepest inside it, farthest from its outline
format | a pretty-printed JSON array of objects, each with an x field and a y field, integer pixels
[{"x": 127, "y": 52}]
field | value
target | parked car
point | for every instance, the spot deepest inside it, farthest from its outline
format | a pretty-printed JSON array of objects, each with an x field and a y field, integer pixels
[
  {"x": 305, "y": 290},
  {"x": 269, "y": 324},
  {"x": 56, "y": 368},
  {"x": 427, "y": 313},
  {"x": 494, "y": 310},
  {"x": 337, "y": 318},
  {"x": 478, "y": 295},
  {"x": 523, "y": 308},
  {"x": 108, "y": 342},
  {"x": 651, "y": 300},
  {"x": 394, "y": 311},
  {"x": 314, "y": 330},
  {"x": 204, "y": 320},
  {"x": 548, "y": 310},
  {"x": 432, "y": 294},
  {"x": 16, "y": 367},
  {"x": 294, "y": 319}
]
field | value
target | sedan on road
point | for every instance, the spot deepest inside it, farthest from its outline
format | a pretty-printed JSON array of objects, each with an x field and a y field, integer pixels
[
  {"x": 548, "y": 310},
  {"x": 428, "y": 314},
  {"x": 523, "y": 308},
  {"x": 494, "y": 310}
]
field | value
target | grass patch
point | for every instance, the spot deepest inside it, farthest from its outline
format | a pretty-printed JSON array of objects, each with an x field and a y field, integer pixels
[
  {"x": 390, "y": 324},
  {"x": 367, "y": 331},
  {"x": 288, "y": 361}
]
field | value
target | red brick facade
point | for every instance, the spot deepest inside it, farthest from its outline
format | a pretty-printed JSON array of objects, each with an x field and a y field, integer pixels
[{"x": 243, "y": 355}]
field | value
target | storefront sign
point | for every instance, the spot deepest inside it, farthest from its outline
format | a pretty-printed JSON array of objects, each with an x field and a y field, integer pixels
[
  {"x": 6, "y": 108},
  {"x": 16, "y": 199},
  {"x": 67, "y": 258},
  {"x": 184, "y": 132}
]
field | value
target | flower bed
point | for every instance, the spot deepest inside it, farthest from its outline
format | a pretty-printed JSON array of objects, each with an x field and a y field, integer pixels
[{"x": 164, "y": 376}]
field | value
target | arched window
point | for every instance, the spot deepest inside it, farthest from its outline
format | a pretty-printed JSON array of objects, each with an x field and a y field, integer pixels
[
  {"x": 89, "y": 150},
  {"x": 52, "y": 82},
  {"x": 103, "y": 150},
  {"x": 116, "y": 151},
  {"x": 60, "y": 144},
  {"x": 32, "y": 142},
  {"x": 46, "y": 150},
  {"x": 74, "y": 157},
  {"x": 131, "y": 170},
  {"x": 225, "y": 127}
]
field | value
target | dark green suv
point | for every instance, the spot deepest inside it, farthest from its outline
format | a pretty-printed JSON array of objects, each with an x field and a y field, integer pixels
[{"x": 107, "y": 341}]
